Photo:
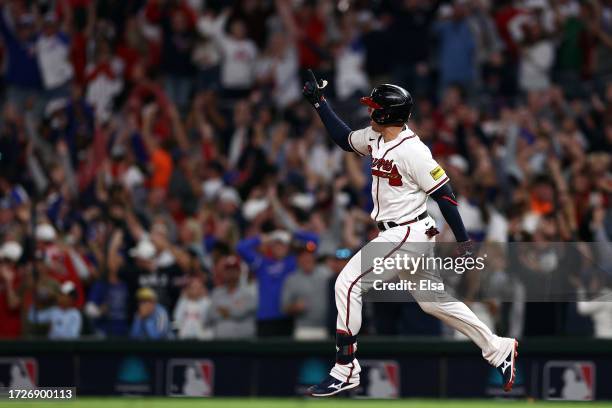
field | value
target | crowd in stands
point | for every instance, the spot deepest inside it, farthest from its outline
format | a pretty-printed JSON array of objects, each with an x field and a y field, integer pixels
[{"x": 161, "y": 176}]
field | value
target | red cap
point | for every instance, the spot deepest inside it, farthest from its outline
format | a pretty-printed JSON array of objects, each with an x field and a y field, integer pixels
[{"x": 231, "y": 262}]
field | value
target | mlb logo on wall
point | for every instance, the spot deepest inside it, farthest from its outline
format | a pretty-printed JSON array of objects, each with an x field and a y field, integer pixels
[
  {"x": 190, "y": 378},
  {"x": 569, "y": 380},
  {"x": 18, "y": 373},
  {"x": 379, "y": 379}
]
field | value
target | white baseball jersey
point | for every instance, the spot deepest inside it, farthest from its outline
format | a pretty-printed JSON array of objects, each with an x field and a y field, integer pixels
[{"x": 403, "y": 173}]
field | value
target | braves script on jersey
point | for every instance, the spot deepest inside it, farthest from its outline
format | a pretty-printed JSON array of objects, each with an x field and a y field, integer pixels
[{"x": 403, "y": 173}]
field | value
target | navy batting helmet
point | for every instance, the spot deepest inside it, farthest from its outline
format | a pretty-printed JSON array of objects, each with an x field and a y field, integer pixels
[{"x": 392, "y": 104}]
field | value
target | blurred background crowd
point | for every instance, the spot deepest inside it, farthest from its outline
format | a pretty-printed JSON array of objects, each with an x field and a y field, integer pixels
[{"x": 161, "y": 176}]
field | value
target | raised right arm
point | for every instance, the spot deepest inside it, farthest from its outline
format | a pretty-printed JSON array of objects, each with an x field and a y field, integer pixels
[{"x": 337, "y": 129}]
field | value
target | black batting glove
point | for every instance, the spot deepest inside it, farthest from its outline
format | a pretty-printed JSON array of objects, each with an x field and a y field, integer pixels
[{"x": 313, "y": 90}]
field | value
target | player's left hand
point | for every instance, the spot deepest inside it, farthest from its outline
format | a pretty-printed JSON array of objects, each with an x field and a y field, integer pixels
[
  {"x": 313, "y": 89},
  {"x": 465, "y": 249}
]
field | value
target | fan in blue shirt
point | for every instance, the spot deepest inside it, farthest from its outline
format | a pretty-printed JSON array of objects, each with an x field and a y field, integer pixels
[
  {"x": 271, "y": 269},
  {"x": 20, "y": 37},
  {"x": 151, "y": 321}
]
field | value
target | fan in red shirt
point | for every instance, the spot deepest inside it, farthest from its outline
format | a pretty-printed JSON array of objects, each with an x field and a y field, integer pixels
[
  {"x": 11, "y": 283},
  {"x": 312, "y": 35},
  {"x": 507, "y": 16},
  {"x": 57, "y": 262}
]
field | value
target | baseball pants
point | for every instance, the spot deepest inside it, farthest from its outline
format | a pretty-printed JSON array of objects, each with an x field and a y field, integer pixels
[{"x": 348, "y": 292}]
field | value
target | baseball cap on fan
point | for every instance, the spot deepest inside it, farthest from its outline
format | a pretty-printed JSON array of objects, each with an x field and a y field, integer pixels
[
  {"x": 144, "y": 250},
  {"x": 459, "y": 162},
  {"x": 146, "y": 294},
  {"x": 67, "y": 288},
  {"x": 45, "y": 233},
  {"x": 300, "y": 245},
  {"x": 54, "y": 106},
  {"x": 11, "y": 250},
  {"x": 303, "y": 201},
  {"x": 343, "y": 254},
  {"x": 231, "y": 262},
  {"x": 280, "y": 236},
  {"x": 253, "y": 207},
  {"x": 229, "y": 195}
]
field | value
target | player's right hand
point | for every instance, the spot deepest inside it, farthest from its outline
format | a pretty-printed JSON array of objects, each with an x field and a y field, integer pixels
[{"x": 313, "y": 89}]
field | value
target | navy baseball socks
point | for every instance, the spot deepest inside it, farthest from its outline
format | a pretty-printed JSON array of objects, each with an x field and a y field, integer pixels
[{"x": 346, "y": 346}]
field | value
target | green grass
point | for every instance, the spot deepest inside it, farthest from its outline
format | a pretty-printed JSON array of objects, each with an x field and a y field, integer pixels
[{"x": 133, "y": 402}]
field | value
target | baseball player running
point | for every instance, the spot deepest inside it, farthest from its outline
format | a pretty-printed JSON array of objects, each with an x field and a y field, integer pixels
[{"x": 404, "y": 175}]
